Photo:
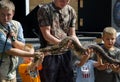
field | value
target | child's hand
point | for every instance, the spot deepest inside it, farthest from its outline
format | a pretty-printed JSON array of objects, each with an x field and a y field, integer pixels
[
  {"x": 77, "y": 63},
  {"x": 27, "y": 60},
  {"x": 115, "y": 68},
  {"x": 103, "y": 66},
  {"x": 84, "y": 57},
  {"x": 88, "y": 52}
]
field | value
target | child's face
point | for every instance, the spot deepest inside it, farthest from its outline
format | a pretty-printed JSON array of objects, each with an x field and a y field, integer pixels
[
  {"x": 109, "y": 40},
  {"x": 6, "y": 16}
]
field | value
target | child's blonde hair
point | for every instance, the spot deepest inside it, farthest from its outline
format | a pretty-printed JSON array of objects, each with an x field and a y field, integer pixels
[
  {"x": 109, "y": 30},
  {"x": 7, "y": 4}
]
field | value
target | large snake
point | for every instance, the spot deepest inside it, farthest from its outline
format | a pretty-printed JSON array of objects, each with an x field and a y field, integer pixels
[
  {"x": 56, "y": 49},
  {"x": 79, "y": 50}
]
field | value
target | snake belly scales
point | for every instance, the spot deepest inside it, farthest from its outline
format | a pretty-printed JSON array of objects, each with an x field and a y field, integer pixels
[{"x": 56, "y": 49}]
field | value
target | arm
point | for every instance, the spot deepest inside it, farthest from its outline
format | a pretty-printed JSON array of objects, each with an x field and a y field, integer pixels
[
  {"x": 115, "y": 68},
  {"x": 45, "y": 26},
  {"x": 48, "y": 36},
  {"x": 19, "y": 41},
  {"x": 10, "y": 50},
  {"x": 99, "y": 62},
  {"x": 18, "y": 44},
  {"x": 72, "y": 33},
  {"x": 85, "y": 57},
  {"x": 100, "y": 65},
  {"x": 18, "y": 52}
]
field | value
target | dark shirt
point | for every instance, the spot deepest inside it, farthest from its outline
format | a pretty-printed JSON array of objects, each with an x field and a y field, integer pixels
[{"x": 108, "y": 75}]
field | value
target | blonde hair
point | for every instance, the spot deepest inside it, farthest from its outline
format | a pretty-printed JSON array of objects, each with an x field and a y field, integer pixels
[
  {"x": 7, "y": 4},
  {"x": 109, "y": 30}
]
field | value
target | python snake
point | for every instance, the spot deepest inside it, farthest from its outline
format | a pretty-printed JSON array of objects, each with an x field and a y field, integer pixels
[
  {"x": 56, "y": 49},
  {"x": 79, "y": 50}
]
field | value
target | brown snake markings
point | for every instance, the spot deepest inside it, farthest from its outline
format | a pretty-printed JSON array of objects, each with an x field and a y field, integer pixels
[{"x": 78, "y": 49}]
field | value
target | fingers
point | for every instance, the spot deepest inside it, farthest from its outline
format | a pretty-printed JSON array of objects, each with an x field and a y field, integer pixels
[
  {"x": 99, "y": 60},
  {"x": 115, "y": 68},
  {"x": 12, "y": 33},
  {"x": 38, "y": 56},
  {"x": 69, "y": 44},
  {"x": 88, "y": 51},
  {"x": 106, "y": 66},
  {"x": 32, "y": 70},
  {"x": 103, "y": 66}
]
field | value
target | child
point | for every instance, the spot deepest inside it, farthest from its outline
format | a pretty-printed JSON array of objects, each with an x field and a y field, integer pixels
[
  {"x": 109, "y": 72},
  {"x": 85, "y": 68}
]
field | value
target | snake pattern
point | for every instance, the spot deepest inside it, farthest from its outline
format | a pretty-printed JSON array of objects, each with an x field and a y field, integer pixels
[
  {"x": 56, "y": 49},
  {"x": 79, "y": 50}
]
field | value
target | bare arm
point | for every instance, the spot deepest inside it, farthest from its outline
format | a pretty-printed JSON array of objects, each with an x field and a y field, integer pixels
[
  {"x": 99, "y": 62},
  {"x": 18, "y": 44},
  {"x": 48, "y": 36},
  {"x": 18, "y": 52},
  {"x": 83, "y": 60},
  {"x": 72, "y": 33},
  {"x": 14, "y": 39},
  {"x": 100, "y": 65},
  {"x": 85, "y": 57}
]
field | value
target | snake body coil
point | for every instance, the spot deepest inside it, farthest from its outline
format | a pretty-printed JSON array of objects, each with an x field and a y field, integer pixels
[{"x": 56, "y": 49}]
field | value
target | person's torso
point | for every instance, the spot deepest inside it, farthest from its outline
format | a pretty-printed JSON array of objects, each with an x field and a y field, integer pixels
[
  {"x": 85, "y": 73},
  {"x": 9, "y": 64},
  {"x": 60, "y": 20},
  {"x": 107, "y": 75}
]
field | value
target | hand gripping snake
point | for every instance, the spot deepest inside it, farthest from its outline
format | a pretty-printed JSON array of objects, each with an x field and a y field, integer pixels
[
  {"x": 61, "y": 47},
  {"x": 56, "y": 49}
]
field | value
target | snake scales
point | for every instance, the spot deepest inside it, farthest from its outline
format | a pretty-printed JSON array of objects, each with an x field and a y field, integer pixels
[{"x": 78, "y": 49}]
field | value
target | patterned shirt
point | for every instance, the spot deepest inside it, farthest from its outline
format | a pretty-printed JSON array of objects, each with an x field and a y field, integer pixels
[
  {"x": 59, "y": 20},
  {"x": 9, "y": 65}
]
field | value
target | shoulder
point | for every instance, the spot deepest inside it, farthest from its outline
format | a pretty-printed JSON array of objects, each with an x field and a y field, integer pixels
[
  {"x": 117, "y": 49},
  {"x": 15, "y": 22},
  {"x": 70, "y": 8},
  {"x": 44, "y": 7},
  {"x": 16, "y": 25}
]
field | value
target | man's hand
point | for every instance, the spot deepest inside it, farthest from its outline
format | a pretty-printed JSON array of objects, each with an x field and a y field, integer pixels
[{"x": 70, "y": 45}]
